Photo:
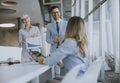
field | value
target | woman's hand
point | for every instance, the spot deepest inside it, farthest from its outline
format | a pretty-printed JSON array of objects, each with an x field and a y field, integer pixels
[
  {"x": 35, "y": 35},
  {"x": 21, "y": 43},
  {"x": 40, "y": 59}
]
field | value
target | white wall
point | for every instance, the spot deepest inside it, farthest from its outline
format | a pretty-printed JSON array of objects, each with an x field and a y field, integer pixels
[{"x": 10, "y": 52}]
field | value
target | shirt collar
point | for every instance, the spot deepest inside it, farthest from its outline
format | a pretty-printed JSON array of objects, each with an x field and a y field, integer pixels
[
  {"x": 25, "y": 28},
  {"x": 58, "y": 20}
]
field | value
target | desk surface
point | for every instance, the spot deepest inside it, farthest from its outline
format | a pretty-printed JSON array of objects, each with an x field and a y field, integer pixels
[{"x": 21, "y": 73}]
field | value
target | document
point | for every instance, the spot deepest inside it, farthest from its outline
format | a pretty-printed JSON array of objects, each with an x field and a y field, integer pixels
[{"x": 35, "y": 42}]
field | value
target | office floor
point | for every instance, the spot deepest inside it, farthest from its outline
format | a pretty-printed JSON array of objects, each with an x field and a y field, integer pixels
[{"x": 48, "y": 74}]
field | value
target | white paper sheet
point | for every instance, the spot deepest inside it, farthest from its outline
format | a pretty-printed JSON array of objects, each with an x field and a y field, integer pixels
[{"x": 33, "y": 42}]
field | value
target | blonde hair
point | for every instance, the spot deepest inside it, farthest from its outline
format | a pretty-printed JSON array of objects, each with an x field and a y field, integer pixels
[{"x": 76, "y": 29}]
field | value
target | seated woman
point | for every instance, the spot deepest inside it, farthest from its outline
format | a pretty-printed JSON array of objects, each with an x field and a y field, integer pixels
[{"x": 72, "y": 50}]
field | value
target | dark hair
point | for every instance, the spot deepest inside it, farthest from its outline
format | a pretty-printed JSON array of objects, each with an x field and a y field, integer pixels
[{"x": 53, "y": 7}]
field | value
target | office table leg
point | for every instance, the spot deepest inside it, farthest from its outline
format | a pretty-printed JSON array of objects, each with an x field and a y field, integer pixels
[
  {"x": 35, "y": 80},
  {"x": 53, "y": 72}
]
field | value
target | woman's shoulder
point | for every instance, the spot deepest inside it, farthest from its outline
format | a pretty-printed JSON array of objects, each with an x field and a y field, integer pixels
[
  {"x": 32, "y": 26},
  {"x": 70, "y": 41},
  {"x": 21, "y": 29}
]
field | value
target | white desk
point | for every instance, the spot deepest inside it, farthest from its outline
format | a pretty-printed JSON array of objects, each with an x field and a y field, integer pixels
[{"x": 21, "y": 73}]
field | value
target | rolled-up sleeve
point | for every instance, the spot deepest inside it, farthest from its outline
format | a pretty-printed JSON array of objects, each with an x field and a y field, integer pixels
[
  {"x": 38, "y": 31},
  {"x": 20, "y": 36}
]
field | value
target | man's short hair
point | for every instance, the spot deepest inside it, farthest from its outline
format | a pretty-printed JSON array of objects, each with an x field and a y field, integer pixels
[{"x": 53, "y": 7}]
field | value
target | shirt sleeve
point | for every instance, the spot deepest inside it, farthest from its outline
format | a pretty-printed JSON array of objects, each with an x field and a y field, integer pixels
[
  {"x": 39, "y": 35},
  {"x": 38, "y": 31},
  {"x": 20, "y": 36},
  {"x": 63, "y": 51}
]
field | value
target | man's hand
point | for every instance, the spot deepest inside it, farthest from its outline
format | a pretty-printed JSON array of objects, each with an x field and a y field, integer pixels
[{"x": 57, "y": 39}]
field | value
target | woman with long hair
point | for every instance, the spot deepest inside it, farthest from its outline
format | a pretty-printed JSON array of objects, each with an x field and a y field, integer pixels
[{"x": 72, "y": 50}]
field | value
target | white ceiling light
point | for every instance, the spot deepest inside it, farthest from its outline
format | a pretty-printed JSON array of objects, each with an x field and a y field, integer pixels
[
  {"x": 6, "y": 25},
  {"x": 8, "y": 3}
]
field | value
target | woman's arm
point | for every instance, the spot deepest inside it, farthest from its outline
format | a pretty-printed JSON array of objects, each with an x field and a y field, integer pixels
[
  {"x": 20, "y": 39},
  {"x": 64, "y": 50}
]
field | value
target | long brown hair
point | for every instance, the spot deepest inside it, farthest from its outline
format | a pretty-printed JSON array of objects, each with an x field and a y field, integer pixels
[{"x": 76, "y": 29}]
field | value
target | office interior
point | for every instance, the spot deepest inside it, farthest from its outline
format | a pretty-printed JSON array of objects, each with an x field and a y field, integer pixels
[{"x": 101, "y": 20}]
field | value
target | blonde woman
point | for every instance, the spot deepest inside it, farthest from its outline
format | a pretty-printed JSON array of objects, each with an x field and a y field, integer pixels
[
  {"x": 27, "y": 31},
  {"x": 72, "y": 50}
]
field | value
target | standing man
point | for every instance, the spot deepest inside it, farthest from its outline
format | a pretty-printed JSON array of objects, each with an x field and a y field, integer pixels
[
  {"x": 55, "y": 33},
  {"x": 27, "y": 31}
]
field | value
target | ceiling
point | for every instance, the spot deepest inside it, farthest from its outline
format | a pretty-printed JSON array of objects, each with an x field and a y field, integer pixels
[{"x": 30, "y": 7}]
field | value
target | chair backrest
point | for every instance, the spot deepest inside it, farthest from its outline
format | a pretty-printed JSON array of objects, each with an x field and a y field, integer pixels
[
  {"x": 90, "y": 76},
  {"x": 70, "y": 77}
]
